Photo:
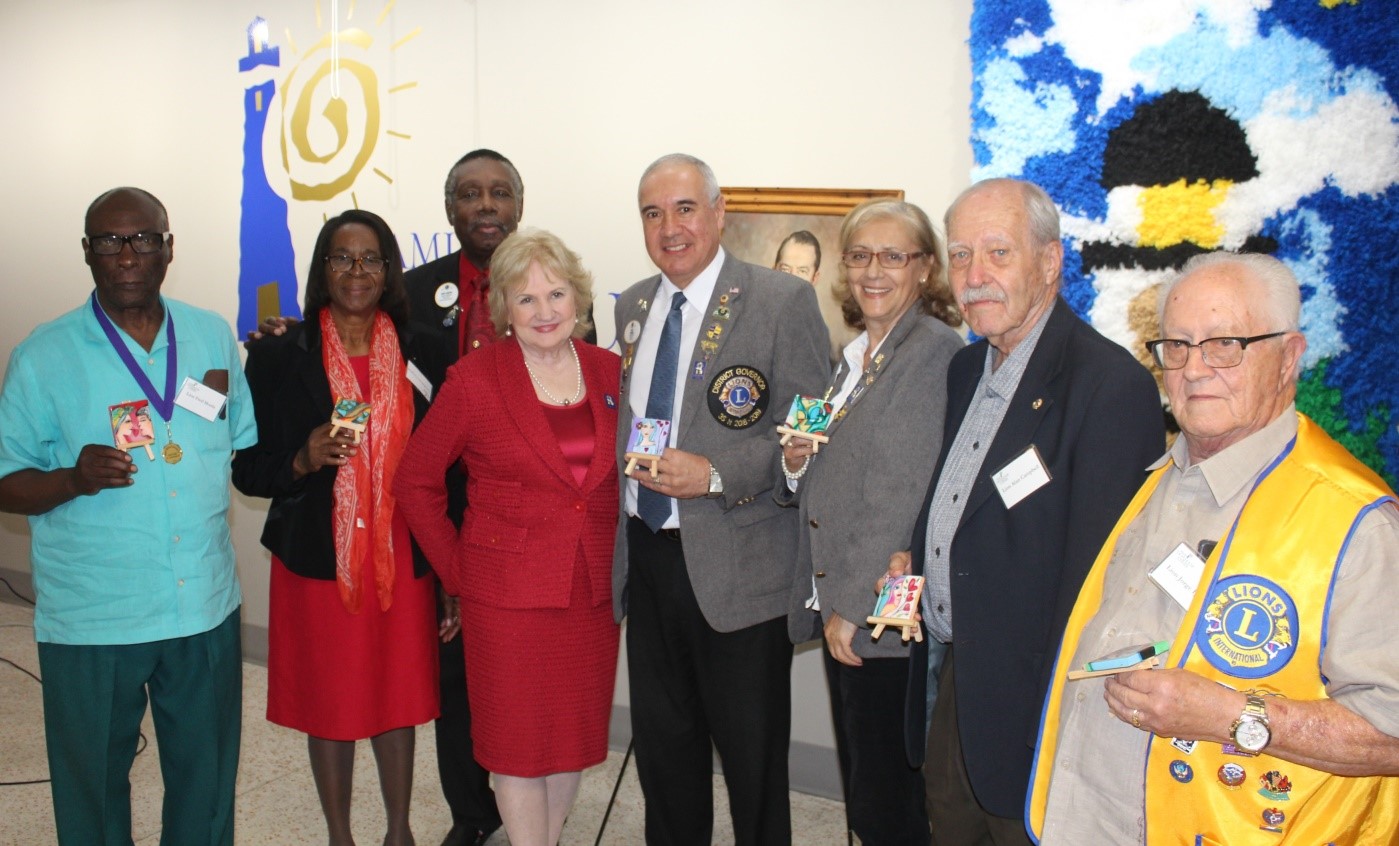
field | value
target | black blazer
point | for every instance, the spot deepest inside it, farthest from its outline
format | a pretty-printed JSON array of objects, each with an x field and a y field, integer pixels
[
  {"x": 291, "y": 396},
  {"x": 1094, "y": 414}
]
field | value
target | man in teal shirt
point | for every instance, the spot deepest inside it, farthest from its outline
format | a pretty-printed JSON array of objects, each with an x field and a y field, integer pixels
[{"x": 132, "y": 559}]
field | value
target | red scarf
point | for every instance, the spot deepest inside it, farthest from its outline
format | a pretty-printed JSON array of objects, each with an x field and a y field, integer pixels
[{"x": 362, "y": 486}]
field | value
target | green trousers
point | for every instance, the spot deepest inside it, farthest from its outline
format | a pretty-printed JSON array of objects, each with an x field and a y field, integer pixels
[{"x": 94, "y": 700}]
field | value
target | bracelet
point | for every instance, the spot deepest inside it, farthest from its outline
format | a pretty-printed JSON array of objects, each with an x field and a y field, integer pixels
[{"x": 792, "y": 477}]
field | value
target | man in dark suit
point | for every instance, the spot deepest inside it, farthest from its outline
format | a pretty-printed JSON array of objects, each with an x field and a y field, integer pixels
[
  {"x": 447, "y": 299},
  {"x": 704, "y": 555},
  {"x": 1050, "y": 427}
]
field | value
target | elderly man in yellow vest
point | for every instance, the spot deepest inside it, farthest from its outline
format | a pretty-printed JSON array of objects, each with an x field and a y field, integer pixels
[{"x": 1266, "y": 556}]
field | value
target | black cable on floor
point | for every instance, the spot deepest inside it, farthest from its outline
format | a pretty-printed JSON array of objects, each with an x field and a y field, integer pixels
[
  {"x": 141, "y": 745},
  {"x": 615, "y": 788}
]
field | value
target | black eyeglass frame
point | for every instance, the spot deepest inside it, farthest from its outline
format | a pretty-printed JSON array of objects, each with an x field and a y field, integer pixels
[
  {"x": 109, "y": 240},
  {"x": 1154, "y": 347}
]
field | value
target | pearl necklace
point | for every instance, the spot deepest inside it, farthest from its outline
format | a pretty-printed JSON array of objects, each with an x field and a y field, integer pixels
[{"x": 578, "y": 391}]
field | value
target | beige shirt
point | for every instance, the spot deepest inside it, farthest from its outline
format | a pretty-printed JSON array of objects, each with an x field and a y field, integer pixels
[{"x": 1098, "y": 790}]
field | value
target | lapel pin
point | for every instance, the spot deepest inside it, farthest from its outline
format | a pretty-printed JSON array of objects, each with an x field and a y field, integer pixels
[{"x": 1036, "y": 404}]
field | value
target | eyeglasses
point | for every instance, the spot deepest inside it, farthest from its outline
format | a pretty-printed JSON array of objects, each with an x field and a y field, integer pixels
[
  {"x": 342, "y": 263},
  {"x": 1173, "y": 353},
  {"x": 141, "y": 242},
  {"x": 888, "y": 259}
]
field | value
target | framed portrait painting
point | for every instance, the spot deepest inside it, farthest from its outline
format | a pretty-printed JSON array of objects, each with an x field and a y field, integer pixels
[{"x": 796, "y": 230}]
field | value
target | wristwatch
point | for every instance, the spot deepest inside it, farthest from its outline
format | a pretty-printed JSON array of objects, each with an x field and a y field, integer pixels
[
  {"x": 716, "y": 484},
  {"x": 1250, "y": 731}
]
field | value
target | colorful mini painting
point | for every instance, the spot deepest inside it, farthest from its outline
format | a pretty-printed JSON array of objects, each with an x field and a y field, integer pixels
[
  {"x": 649, "y": 436},
  {"x": 809, "y": 414},
  {"x": 131, "y": 424},
  {"x": 350, "y": 411},
  {"x": 899, "y": 598}
]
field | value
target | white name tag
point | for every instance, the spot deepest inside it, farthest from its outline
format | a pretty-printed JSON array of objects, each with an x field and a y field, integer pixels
[
  {"x": 200, "y": 398},
  {"x": 1021, "y": 477},
  {"x": 1179, "y": 574},
  {"x": 420, "y": 381}
]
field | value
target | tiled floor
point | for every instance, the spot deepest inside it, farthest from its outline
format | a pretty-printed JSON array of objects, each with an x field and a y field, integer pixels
[{"x": 277, "y": 803}]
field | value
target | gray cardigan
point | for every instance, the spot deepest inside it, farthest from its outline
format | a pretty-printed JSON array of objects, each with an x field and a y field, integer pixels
[{"x": 861, "y": 493}]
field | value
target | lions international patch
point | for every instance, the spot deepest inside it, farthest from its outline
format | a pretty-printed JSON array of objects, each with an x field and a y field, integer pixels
[
  {"x": 738, "y": 396},
  {"x": 1247, "y": 628}
]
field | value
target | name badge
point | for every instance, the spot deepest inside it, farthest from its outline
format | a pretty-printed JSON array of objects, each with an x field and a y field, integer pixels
[
  {"x": 1178, "y": 574},
  {"x": 419, "y": 381},
  {"x": 201, "y": 399},
  {"x": 1021, "y": 476}
]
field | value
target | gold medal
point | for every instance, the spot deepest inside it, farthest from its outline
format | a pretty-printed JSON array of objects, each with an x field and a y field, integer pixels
[{"x": 171, "y": 450}]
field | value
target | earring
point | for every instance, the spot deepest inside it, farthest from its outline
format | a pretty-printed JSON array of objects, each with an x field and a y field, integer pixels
[{"x": 509, "y": 331}]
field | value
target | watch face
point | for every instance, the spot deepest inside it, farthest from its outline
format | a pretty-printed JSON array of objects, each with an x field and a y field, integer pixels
[{"x": 1252, "y": 734}]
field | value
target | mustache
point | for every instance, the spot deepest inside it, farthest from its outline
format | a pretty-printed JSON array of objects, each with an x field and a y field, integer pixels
[{"x": 985, "y": 294}]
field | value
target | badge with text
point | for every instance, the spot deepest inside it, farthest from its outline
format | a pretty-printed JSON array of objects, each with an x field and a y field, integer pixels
[
  {"x": 201, "y": 399},
  {"x": 1021, "y": 476},
  {"x": 1178, "y": 574},
  {"x": 1247, "y": 627},
  {"x": 738, "y": 396},
  {"x": 445, "y": 295}
]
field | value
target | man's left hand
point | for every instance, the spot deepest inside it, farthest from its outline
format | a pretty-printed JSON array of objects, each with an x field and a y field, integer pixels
[
  {"x": 683, "y": 475},
  {"x": 1174, "y": 703}
]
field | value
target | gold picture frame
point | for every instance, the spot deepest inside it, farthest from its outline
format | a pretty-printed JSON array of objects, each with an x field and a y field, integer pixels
[{"x": 758, "y": 220}]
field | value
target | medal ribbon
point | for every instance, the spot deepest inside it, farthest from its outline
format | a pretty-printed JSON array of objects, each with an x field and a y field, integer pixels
[{"x": 164, "y": 405}]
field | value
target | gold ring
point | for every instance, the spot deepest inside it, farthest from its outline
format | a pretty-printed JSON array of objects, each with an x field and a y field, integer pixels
[{"x": 1136, "y": 718}]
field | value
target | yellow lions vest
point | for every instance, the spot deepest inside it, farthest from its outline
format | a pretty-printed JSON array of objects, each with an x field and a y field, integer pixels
[{"x": 1258, "y": 622}]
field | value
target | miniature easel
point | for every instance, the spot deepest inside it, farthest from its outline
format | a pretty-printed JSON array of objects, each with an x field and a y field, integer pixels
[
  {"x": 652, "y": 461},
  {"x": 816, "y": 439},
  {"x": 350, "y": 414},
  {"x": 911, "y": 628},
  {"x": 899, "y": 592},
  {"x": 127, "y": 447}
]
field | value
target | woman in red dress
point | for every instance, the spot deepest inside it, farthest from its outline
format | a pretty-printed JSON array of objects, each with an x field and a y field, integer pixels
[
  {"x": 534, "y": 418},
  {"x": 352, "y": 649}
]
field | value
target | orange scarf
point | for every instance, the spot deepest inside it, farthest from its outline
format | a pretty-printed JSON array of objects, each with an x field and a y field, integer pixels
[{"x": 362, "y": 490}]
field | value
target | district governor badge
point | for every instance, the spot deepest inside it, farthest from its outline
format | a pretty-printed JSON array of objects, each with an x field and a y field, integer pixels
[
  {"x": 738, "y": 396},
  {"x": 1248, "y": 627}
]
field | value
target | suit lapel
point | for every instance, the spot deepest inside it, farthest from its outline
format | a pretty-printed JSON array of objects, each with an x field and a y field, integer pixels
[
  {"x": 878, "y": 365},
  {"x": 714, "y": 334},
  {"x": 638, "y": 309},
  {"x": 310, "y": 371},
  {"x": 1032, "y": 401},
  {"x": 523, "y": 407},
  {"x": 594, "y": 374}
]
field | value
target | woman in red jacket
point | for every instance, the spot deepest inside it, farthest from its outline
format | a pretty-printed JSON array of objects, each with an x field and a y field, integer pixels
[{"x": 533, "y": 418}]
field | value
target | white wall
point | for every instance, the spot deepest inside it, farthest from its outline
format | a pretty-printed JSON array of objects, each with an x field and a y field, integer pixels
[{"x": 790, "y": 93}]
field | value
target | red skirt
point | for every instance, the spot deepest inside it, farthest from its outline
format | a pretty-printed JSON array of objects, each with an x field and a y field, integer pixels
[
  {"x": 540, "y": 682},
  {"x": 343, "y": 676}
]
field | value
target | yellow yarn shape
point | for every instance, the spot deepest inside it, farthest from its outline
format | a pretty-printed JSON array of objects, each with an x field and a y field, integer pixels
[{"x": 1175, "y": 213}]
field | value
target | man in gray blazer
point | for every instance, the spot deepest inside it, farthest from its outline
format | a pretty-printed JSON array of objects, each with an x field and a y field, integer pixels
[{"x": 704, "y": 554}]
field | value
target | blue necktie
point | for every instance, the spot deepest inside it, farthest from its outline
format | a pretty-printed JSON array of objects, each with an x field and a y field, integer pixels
[{"x": 652, "y": 507}]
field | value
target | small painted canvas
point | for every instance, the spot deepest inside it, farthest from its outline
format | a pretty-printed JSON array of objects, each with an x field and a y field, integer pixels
[
  {"x": 648, "y": 436},
  {"x": 899, "y": 598},
  {"x": 809, "y": 414},
  {"x": 351, "y": 411},
  {"x": 131, "y": 424}
]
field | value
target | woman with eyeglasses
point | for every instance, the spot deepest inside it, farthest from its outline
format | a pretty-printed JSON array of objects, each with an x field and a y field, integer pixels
[
  {"x": 352, "y": 631},
  {"x": 861, "y": 494}
]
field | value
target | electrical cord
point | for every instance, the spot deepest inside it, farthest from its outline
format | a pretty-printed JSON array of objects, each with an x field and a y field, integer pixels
[{"x": 141, "y": 736}]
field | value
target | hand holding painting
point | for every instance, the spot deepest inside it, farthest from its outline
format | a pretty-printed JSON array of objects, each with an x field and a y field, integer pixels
[
  {"x": 898, "y": 600},
  {"x": 807, "y": 419}
]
